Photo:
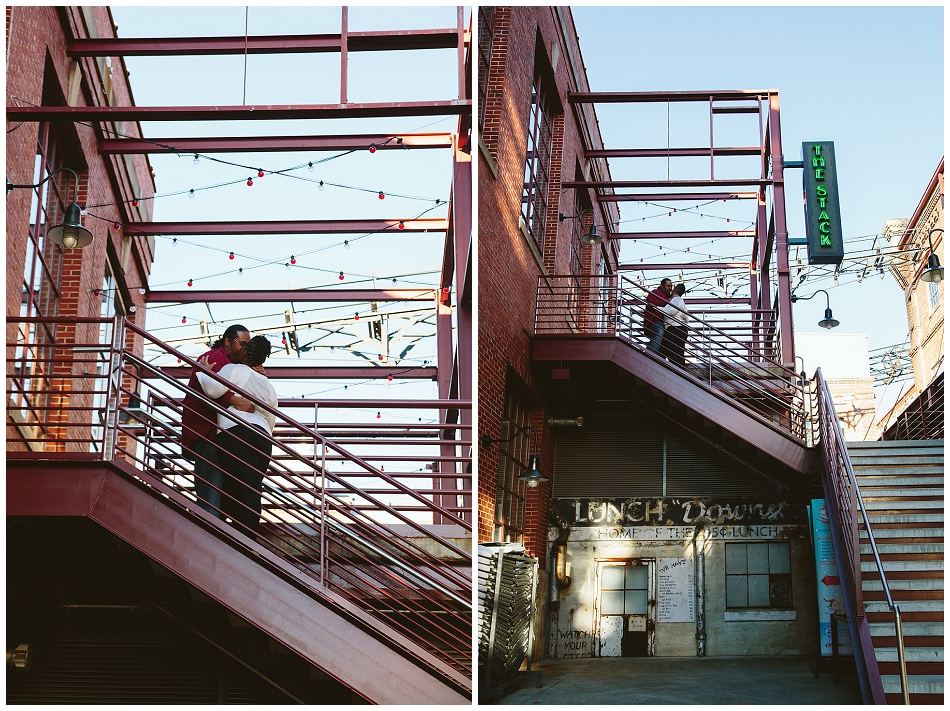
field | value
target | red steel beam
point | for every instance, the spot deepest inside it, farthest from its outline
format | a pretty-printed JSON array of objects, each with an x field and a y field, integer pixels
[
  {"x": 671, "y": 152},
  {"x": 271, "y": 44},
  {"x": 663, "y": 183},
  {"x": 449, "y": 107},
  {"x": 309, "y": 295},
  {"x": 694, "y": 265},
  {"x": 288, "y": 227},
  {"x": 265, "y": 144},
  {"x": 635, "y": 97},
  {"x": 683, "y": 235},
  {"x": 692, "y": 197},
  {"x": 320, "y": 373}
]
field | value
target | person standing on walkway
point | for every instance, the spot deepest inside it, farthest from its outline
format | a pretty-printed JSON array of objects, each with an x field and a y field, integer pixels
[
  {"x": 244, "y": 439},
  {"x": 198, "y": 419},
  {"x": 676, "y": 316},
  {"x": 653, "y": 325}
]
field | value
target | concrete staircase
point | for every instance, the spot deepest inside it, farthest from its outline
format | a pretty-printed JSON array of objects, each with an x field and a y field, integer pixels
[{"x": 901, "y": 483}]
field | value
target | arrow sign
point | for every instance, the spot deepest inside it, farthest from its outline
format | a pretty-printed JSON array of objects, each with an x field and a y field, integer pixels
[{"x": 830, "y": 580}]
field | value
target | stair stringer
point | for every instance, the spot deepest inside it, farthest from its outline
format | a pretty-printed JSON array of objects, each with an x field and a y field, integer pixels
[
  {"x": 327, "y": 631},
  {"x": 732, "y": 416}
]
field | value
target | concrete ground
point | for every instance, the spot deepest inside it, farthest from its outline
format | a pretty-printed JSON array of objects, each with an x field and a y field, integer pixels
[{"x": 667, "y": 681}]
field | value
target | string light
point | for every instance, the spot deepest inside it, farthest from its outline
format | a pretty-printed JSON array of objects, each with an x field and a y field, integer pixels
[
  {"x": 191, "y": 193},
  {"x": 260, "y": 173},
  {"x": 346, "y": 244},
  {"x": 378, "y": 415},
  {"x": 250, "y": 182},
  {"x": 231, "y": 255},
  {"x": 190, "y": 282},
  {"x": 196, "y": 160},
  {"x": 372, "y": 147},
  {"x": 292, "y": 259},
  {"x": 402, "y": 225},
  {"x": 135, "y": 202},
  {"x": 320, "y": 186},
  {"x": 310, "y": 170},
  {"x": 390, "y": 377},
  {"x": 184, "y": 320},
  {"x": 356, "y": 317},
  {"x": 382, "y": 195},
  {"x": 341, "y": 276},
  {"x": 241, "y": 271}
]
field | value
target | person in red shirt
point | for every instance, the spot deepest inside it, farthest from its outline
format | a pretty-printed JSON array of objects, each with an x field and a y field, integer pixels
[
  {"x": 199, "y": 419},
  {"x": 653, "y": 327}
]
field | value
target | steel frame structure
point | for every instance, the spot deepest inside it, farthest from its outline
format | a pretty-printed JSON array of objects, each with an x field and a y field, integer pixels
[{"x": 767, "y": 189}]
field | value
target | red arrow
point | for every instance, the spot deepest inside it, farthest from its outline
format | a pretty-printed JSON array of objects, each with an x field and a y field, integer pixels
[{"x": 830, "y": 580}]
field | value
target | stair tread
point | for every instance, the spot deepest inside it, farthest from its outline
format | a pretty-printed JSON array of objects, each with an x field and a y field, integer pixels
[
  {"x": 915, "y": 654},
  {"x": 905, "y": 606},
  {"x": 918, "y": 584}
]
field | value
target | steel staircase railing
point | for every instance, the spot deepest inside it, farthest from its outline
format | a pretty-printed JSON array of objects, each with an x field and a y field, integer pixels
[
  {"x": 845, "y": 505},
  {"x": 731, "y": 351},
  {"x": 353, "y": 528}
]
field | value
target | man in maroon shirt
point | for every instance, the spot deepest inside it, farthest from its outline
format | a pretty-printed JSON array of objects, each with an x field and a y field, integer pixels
[
  {"x": 199, "y": 419},
  {"x": 653, "y": 318}
]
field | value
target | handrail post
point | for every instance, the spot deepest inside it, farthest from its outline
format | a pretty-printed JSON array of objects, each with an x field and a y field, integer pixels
[
  {"x": 114, "y": 398},
  {"x": 901, "y": 660}
]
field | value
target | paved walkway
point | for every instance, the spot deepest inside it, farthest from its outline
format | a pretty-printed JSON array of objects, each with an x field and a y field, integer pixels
[{"x": 661, "y": 681}]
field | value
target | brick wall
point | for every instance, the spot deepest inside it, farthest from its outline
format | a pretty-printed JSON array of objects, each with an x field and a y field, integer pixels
[{"x": 509, "y": 265}]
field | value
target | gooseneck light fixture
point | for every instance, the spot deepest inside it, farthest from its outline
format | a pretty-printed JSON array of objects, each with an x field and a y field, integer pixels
[
  {"x": 591, "y": 238},
  {"x": 532, "y": 474},
  {"x": 828, "y": 321},
  {"x": 933, "y": 272},
  {"x": 70, "y": 234}
]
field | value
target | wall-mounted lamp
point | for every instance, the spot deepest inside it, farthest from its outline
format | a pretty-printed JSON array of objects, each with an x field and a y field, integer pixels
[
  {"x": 70, "y": 234},
  {"x": 828, "y": 321},
  {"x": 933, "y": 272},
  {"x": 591, "y": 238},
  {"x": 532, "y": 475}
]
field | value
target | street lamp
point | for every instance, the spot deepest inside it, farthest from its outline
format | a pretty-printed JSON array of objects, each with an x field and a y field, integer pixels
[
  {"x": 591, "y": 238},
  {"x": 933, "y": 272},
  {"x": 828, "y": 321},
  {"x": 70, "y": 234},
  {"x": 532, "y": 474}
]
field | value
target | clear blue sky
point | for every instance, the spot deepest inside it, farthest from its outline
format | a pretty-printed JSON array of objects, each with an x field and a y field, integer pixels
[
  {"x": 868, "y": 78},
  {"x": 413, "y": 260}
]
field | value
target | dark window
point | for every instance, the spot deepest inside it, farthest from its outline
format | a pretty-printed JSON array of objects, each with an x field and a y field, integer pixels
[
  {"x": 534, "y": 199},
  {"x": 486, "y": 28},
  {"x": 512, "y": 462},
  {"x": 758, "y": 575}
]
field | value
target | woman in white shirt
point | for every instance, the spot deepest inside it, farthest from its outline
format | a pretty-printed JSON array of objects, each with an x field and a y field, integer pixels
[
  {"x": 675, "y": 318},
  {"x": 245, "y": 447}
]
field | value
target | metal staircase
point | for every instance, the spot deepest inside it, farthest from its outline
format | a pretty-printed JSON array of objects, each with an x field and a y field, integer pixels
[
  {"x": 363, "y": 572},
  {"x": 901, "y": 483}
]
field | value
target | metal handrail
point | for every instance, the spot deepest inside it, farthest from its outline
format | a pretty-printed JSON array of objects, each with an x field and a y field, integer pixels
[
  {"x": 846, "y": 501},
  {"x": 744, "y": 371}
]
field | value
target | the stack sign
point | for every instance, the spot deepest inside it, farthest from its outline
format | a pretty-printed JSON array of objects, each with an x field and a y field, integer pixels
[{"x": 822, "y": 215}]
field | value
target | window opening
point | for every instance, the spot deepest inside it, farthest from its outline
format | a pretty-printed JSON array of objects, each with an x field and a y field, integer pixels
[
  {"x": 534, "y": 199},
  {"x": 486, "y": 28},
  {"x": 512, "y": 462},
  {"x": 758, "y": 575}
]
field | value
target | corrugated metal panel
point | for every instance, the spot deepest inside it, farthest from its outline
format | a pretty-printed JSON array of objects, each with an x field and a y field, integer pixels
[
  {"x": 624, "y": 457},
  {"x": 695, "y": 467},
  {"x": 609, "y": 457}
]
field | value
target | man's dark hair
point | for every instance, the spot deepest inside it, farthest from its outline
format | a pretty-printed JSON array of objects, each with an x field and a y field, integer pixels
[
  {"x": 230, "y": 334},
  {"x": 256, "y": 351},
  {"x": 663, "y": 281},
  {"x": 680, "y": 289}
]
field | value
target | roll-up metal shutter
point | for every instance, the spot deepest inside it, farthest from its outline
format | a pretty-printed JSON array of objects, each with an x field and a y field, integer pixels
[
  {"x": 695, "y": 467},
  {"x": 610, "y": 457},
  {"x": 641, "y": 457}
]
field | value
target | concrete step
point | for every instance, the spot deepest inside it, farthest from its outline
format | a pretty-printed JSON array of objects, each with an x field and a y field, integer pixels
[
  {"x": 904, "y": 518},
  {"x": 896, "y": 444},
  {"x": 911, "y": 493},
  {"x": 902, "y": 481},
  {"x": 888, "y": 460},
  {"x": 876, "y": 503},
  {"x": 902, "y": 548},
  {"x": 911, "y": 629},
  {"x": 905, "y": 584},
  {"x": 889, "y": 533},
  {"x": 905, "y": 606},
  {"x": 899, "y": 565},
  {"x": 918, "y": 684},
  {"x": 911, "y": 654}
]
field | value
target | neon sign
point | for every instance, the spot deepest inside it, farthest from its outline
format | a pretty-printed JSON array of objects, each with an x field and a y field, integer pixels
[{"x": 822, "y": 213}]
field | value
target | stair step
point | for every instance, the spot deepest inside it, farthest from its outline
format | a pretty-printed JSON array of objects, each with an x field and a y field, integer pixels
[
  {"x": 901, "y": 532},
  {"x": 893, "y": 547},
  {"x": 910, "y": 493},
  {"x": 902, "y": 596},
  {"x": 911, "y": 654},
  {"x": 869, "y": 565},
  {"x": 896, "y": 444},
  {"x": 911, "y": 629},
  {"x": 918, "y": 684},
  {"x": 919, "y": 504},
  {"x": 914, "y": 669},
  {"x": 888, "y": 616},
  {"x": 905, "y": 518},
  {"x": 905, "y": 606},
  {"x": 914, "y": 584},
  {"x": 903, "y": 475}
]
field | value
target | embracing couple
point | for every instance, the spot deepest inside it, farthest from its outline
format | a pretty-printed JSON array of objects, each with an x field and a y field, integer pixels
[{"x": 237, "y": 443}]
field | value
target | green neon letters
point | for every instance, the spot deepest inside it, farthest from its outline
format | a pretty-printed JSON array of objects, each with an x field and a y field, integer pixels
[{"x": 822, "y": 217}]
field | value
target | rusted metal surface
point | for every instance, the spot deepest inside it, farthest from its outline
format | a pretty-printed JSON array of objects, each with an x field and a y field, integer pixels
[
  {"x": 265, "y": 144},
  {"x": 244, "y": 577},
  {"x": 846, "y": 509},
  {"x": 289, "y": 227},
  {"x": 450, "y": 107},
  {"x": 260, "y": 295}
]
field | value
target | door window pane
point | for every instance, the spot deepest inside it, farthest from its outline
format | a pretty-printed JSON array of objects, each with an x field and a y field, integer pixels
[
  {"x": 637, "y": 577},
  {"x": 635, "y": 602},
  {"x": 611, "y": 602},
  {"x": 613, "y": 577}
]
